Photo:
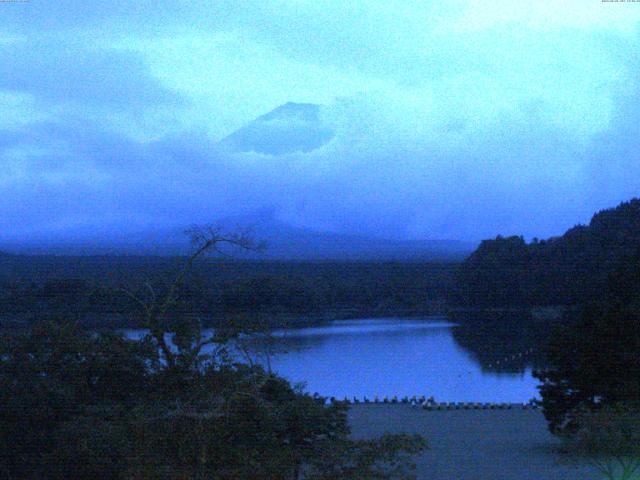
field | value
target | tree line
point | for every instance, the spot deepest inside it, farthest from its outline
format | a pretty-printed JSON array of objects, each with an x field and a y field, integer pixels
[
  {"x": 278, "y": 292},
  {"x": 565, "y": 270}
]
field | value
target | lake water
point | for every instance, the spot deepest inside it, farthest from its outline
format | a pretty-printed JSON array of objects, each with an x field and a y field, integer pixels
[{"x": 387, "y": 357}]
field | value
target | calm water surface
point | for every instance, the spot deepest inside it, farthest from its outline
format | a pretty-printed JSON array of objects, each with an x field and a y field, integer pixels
[{"x": 387, "y": 357}]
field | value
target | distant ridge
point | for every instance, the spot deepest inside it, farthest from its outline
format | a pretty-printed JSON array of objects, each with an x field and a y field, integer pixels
[{"x": 284, "y": 242}]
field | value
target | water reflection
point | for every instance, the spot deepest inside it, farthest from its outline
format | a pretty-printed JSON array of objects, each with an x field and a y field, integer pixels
[
  {"x": 289, "y": 340},
  {"x": 507, "y": 342},
  {"x": 459, "y": 359},
  {"x": 387, "y": 357}
]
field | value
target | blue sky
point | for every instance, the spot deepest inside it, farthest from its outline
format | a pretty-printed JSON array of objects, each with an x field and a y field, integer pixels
[{"x": 441, "y": 119}]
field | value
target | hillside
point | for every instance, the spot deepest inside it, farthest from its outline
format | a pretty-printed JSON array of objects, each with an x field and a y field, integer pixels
[
  {"x": 289, "y": 128},
  {"x": 577, "y": 266}
]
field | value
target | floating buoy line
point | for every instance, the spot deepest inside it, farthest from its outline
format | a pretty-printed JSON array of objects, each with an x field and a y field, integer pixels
[
  {"x": 429, "y": 403},
  {"x": 508, "y": 358}
]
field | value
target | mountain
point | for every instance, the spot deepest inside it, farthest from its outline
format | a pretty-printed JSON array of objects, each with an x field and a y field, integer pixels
[
  {"x": 284, "y": 242},
  {"x": 289, "y": 242},
  {"x": 289, "y": 128},
  {"x": 584, "y": 263}
]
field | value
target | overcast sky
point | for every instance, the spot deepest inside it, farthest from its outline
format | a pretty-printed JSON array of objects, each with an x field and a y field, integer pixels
[{"x": 428, "y": 119}]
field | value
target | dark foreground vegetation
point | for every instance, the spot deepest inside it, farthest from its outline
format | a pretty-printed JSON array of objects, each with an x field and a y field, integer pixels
[
  {"x": 591, "y": 386},
  {"x": 83, "y": 405},
  {"x": 590, "y": 376},
  {"x": 77, "y": 406}
]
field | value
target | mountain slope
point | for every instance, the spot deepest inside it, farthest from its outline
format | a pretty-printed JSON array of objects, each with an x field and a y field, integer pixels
[
  {"x": 284, "y": 242},
  {"x": 569, "y": 269},
  {"x": 289, "y": 128}
]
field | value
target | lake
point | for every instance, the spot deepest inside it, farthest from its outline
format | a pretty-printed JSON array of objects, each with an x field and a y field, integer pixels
[{"x": 395, "y": 356}]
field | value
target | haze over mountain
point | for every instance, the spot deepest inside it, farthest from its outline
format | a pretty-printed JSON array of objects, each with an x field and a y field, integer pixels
[
  {"x": 283, "y": 242},
  {"x": 425, "y": 120}
]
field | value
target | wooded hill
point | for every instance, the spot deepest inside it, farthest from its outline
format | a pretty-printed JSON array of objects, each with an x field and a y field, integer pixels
[{"x": 584, "y": 263}]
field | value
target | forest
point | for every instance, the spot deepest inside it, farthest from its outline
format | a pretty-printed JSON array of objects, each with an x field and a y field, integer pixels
[
  {"x": 566, "y": 270},
  {"x": 76, "y": 403},
  {"x": 92, "y": 289}
]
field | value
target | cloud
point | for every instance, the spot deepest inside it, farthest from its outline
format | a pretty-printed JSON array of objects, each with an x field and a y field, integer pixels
[
  {"x": 72, "y": 72},
  {"x": 439, "y": 119},
  {"x": 66, "y": 179},
  {"x": 70, "y": 179}
]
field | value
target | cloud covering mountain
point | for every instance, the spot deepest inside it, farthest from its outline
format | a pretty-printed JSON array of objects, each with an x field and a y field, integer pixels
[
  {"x": 419, "y": 120},
  {"x": 289, "y": 128}
]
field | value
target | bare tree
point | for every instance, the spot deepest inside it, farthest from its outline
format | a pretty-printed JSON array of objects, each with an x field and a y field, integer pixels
[{"x": 158, "y": 310}]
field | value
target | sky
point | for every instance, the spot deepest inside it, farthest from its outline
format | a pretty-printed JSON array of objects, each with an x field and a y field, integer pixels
[{"x": 456, "y": 119}]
